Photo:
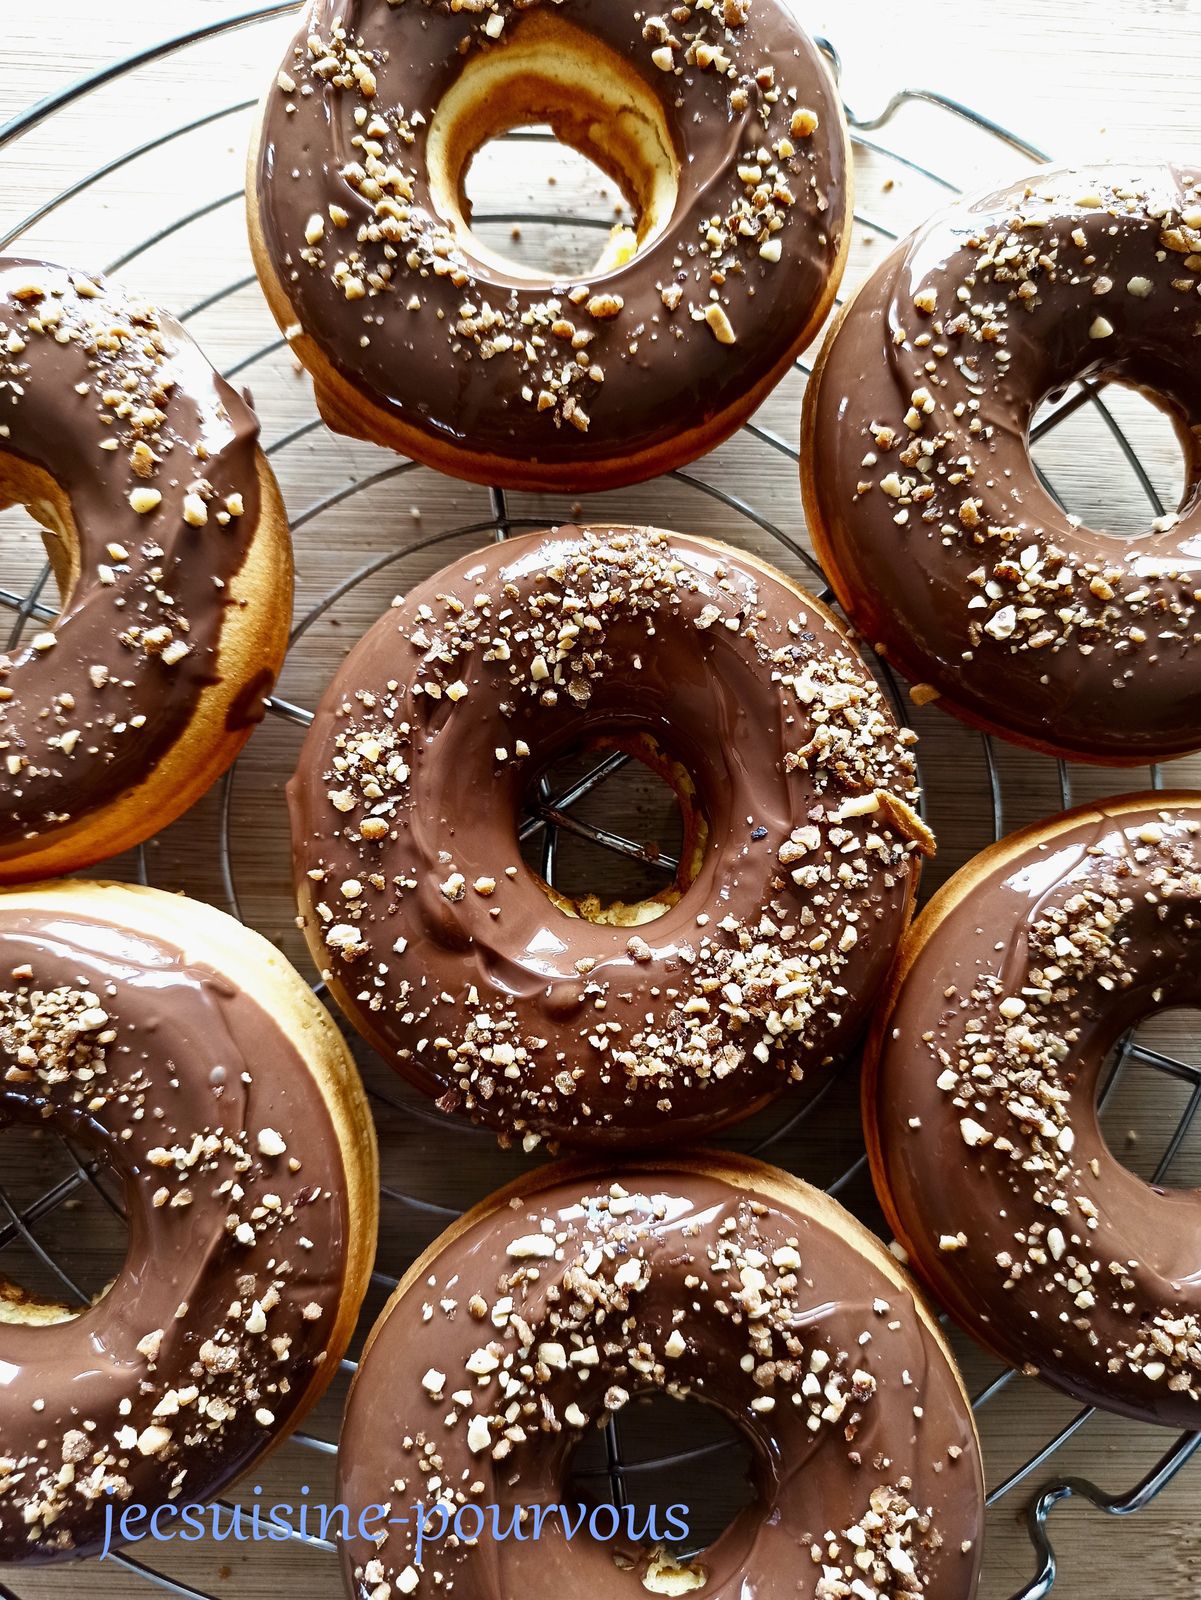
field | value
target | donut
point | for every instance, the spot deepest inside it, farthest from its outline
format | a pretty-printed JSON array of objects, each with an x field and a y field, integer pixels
[
  {"x": 547, "y": 1017},
  {"x": 925, "y": 508},
  {"x": 980, "y": 1097},
  {"x": 719, "y": 122},
  {"x": 179, "y": 1049},
  {"x": 550, "y": 1307},
  {"x": 169, "y": 543}
]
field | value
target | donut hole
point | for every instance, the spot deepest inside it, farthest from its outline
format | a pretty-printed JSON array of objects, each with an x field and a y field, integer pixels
[
  {"x": 550, "y": 218},
  {"x": 63, "y": 1235},
  {"x": 35, "y": 527},
  {"x": 669, "y": 1452},
  {"x": 547, "y": 73},
  {"x": 1082, "y": 465},
  {"x": 625, "y": 829},
  {"x": 1150, "y": 1091}
]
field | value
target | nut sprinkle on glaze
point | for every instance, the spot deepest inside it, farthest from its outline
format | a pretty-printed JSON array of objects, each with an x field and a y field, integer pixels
[
  {"x": 720, "y": 122},
  {"x": 141, "y": 464},
  {"x": 657, "y": 1021},
  {"x": 1012, "y": 989},
  {"x": 236, "y": 1298},
  {"x": 939, "y": 539},
  {"x": 556, "y": 1304}
]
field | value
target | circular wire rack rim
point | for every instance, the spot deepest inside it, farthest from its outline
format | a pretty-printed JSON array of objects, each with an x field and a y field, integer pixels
[{"x": 553, "y": 812}]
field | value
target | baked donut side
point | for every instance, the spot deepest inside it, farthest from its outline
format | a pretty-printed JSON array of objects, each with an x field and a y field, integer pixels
[
  {"x": 724, "y": 129},
  {"x": 552, "y": 1019},
  {"x": 170, "y": 545},
  {"x": 563, "y": 1297},
  {"x": 181, "y": 1050},
  {"x": 925, "y": 508},
  {"x": 980, "y": 1102}
]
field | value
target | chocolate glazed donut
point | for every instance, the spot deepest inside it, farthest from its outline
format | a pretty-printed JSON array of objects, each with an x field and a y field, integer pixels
[
  {"x": 546, "y": 1017},
  {"x": 170, "y": 545},
  {"x": 721, "y": 124},
  {"x": 925, "y": 508},
  {"x": 182, "y": 1052},
  {"x": 549, "y": 1307},
  {"x": 981, "y": 1103}
]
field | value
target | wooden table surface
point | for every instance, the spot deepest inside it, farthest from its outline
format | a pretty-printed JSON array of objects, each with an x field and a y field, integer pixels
[{"x": 1111, "y": 78}]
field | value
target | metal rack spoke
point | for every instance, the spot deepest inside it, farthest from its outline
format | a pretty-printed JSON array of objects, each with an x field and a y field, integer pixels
[
  {"x": 991, "y": 1390},
  {"x": 735, "y": 502},
  {"x": 29, "y": 1238},
  {"x": 1048, "y": 1450},
  {"x": 1125, "y": 1505},
  {"x": 98, "y": 174},
  {"x": 217, "y": 296},
  {"x": 172, "y": 228},
  {"x": 28, "y": 606},
  {"x": 551, "y": 813},
  {"x": 161, "y": 1580}
]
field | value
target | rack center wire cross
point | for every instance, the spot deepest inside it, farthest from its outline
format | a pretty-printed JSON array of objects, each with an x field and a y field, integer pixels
[{"x": 27, "y": 1224}]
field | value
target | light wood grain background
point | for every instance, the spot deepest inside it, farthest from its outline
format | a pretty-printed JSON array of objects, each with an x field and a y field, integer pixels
[{"x": 1111, "y": 78}]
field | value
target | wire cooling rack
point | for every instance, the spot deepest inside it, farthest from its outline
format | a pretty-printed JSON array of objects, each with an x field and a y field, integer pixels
[{"x": 232, "y": 851}]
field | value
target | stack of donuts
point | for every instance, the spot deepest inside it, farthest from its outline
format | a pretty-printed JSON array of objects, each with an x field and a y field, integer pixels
[{"x": 196, "y": 1065}]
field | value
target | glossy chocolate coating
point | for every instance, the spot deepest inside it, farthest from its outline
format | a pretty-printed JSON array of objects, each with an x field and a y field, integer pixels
[
  {"x": 463, "y": 352},
  {"x": 109, "y": 397},
  {"x": 445, "y": 950},
  {"x": 554, "y": 1311},
  {"x": 1019, "y": 982},
  {"x": 193, "y": 1361},
  {"x": 943, "y": 544}
]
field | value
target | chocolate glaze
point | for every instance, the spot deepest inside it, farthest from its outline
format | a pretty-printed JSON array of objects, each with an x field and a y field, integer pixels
[
  {"x": 447, "y": 953},
  {"x": 1000, "y": 1182},
  {"x": 676, "y": 1282},
  {"x": 444, "y": 367},
  {"x": 109, "y": 396},
  {"x": 211, "y": 1333},
  {"x": 943, "y": 544}
]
